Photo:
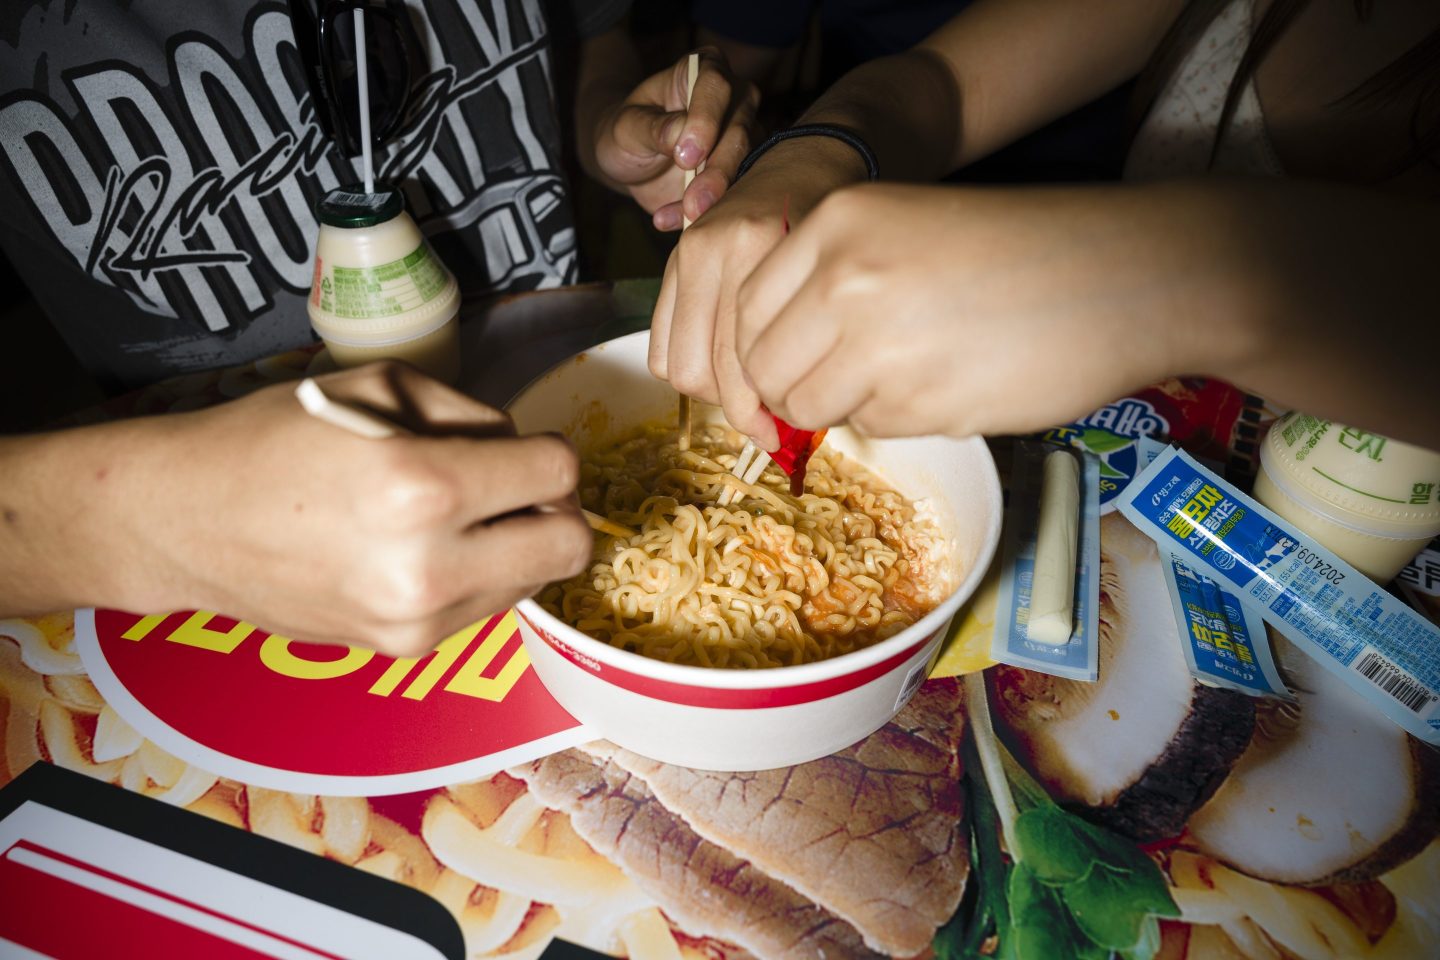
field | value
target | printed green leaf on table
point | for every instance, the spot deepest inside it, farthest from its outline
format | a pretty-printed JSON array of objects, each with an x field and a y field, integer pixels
[
  {"x": 1103, "y": 441},
  {"x": 1109, "y": 887},
  {"x": 965, "y": 936},
  {"x": 1062, "y": 848},
  {"x": 1056, "y": 852},
  {"x": 1070, "y": 888},
  {"x": 1111, "y": 907},
  {"x": 1040, "y": 923},
  {"x": 1149, "y": 944}
]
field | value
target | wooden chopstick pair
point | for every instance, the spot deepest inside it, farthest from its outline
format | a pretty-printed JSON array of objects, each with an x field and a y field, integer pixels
[
  {"x": 373, "y": 427},
  {"x": 748, "y": 467}
]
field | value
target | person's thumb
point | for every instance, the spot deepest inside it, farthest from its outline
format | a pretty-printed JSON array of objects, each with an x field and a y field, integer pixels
[{"x": 644, "y": 133}]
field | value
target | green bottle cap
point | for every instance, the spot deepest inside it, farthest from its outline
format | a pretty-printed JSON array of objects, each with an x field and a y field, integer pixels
[{"x": 351, "y": 207}]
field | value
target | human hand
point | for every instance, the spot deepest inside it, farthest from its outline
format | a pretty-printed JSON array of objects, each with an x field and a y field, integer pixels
[
  {"x": 262, "y": 512},
  {"x": 645, "y": 144},
  {"x": 919, "y": 310},
  {"x": 692, "y": 332}
]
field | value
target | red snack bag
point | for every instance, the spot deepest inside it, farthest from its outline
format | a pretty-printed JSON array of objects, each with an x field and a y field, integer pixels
[{"x": 1209, "y": 418}]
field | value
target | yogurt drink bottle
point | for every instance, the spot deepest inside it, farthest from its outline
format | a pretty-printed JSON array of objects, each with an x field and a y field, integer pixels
[
  {"x": 1375, "y": 502},
  {"x": 379, "y": 291}
]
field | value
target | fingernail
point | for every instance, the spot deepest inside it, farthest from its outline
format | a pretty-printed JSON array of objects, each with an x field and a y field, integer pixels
[
  {"x": 667, "y": 218},
  {"x": 688, "y": 153},
  {"x": 704, "y": 200}
]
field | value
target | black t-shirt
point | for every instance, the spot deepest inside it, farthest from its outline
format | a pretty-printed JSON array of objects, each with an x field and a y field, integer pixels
[
  {"x": 853, "y": 31},
  {"x": 160, "y": 163}
]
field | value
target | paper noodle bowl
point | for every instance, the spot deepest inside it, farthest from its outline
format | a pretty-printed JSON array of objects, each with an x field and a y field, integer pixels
[{"x": 748, "y": 719}]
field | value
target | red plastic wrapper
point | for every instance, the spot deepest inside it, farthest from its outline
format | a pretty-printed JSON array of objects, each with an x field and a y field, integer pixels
[{"x": 796, "y": 448}]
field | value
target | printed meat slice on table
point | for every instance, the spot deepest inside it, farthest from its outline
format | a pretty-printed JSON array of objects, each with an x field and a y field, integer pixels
[
  {"x": 706, "y": 890},
  {"x": 852, "y": 855},
  {"x": 872, "y": 833}
]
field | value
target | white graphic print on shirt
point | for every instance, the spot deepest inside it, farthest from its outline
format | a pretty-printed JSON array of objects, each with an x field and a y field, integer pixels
[{"x": 189, "y": 182}]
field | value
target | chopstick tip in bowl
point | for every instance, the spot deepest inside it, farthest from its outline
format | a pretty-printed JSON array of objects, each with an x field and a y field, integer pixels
[{"x": 601, "y": 525}]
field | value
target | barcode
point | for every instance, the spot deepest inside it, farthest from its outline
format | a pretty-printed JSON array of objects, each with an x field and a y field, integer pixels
[
  {"x": 912, "y": 683},
  {"x": 1394, "y": 681}
]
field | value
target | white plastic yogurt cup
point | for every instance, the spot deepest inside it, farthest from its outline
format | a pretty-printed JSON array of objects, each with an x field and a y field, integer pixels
[{"x": 1374, "y": 501}]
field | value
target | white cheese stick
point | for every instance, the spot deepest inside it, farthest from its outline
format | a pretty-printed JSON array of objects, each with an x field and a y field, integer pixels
[{"x": 1052, "y": 590}]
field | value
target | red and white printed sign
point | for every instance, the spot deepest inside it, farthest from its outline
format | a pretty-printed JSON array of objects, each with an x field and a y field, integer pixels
[
  {"x": 142, "y": 900},
  {"x": 269, "y": 711}
]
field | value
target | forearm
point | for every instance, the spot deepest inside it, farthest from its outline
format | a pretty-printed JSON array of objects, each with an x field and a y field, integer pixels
[
  {"x": 1339, "y": 285},
  {"x": 903, "y": 107},
  {"x": 995, "y": 72},
  {"x": 906, "y": 107},
  {"x": 64, "y": 500},
  {"x": 1319, "y": 297}
]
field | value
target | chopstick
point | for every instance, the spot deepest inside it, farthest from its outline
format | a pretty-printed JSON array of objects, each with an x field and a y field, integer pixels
[
  {"x": 600, "y": 525},
  {"x": 692, "y": 73},
  {"x": 748, "y": 467},
  {"x": 373, "y": 427},
  {"x": 684, "y": 440}
]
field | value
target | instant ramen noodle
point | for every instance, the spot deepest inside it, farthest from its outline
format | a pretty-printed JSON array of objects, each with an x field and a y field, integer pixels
[{"x": 768, "y": 580}]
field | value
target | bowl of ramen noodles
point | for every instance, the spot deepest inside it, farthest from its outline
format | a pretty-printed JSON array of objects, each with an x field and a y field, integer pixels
[{"x": 738, "y": 626}]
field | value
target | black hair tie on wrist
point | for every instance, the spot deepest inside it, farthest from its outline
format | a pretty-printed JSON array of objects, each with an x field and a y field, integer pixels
[{"x": 872, "y": 168}]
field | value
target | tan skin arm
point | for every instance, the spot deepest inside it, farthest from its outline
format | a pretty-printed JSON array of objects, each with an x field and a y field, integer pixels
[
  {"x": 262, "y": 512},
  {"x": 1340, "y": 285},
  {"x": 997, "y": 71},
  {"x": 1009, "y": 311}
]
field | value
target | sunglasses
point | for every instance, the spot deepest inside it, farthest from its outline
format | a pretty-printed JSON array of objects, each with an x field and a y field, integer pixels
[{"x": 325, "y": 37}]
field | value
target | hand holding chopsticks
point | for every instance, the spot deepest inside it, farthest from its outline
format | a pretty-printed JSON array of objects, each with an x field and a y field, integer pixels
[
  {"x": 645, "y": 141},
  {"x": 256, "y": 509},
  {"x": 368, "y": 425}
]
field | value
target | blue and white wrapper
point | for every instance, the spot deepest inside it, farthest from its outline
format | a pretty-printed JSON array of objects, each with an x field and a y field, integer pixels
[
  {"x": 1224, "y": 640},
  {"x": 1373, "y": 641}
]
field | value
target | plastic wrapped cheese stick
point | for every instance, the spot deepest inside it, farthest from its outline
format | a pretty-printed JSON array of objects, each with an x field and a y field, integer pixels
[
  {"x": 1052, "y": 592},
  {"x": 1075, "y": 654}
]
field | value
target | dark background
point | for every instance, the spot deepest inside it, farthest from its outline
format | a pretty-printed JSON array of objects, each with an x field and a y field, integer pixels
[{"x": 40, "y": 380}]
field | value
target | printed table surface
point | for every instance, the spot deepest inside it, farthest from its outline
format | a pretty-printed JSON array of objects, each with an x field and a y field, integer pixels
[{"x": 445, "y": 806}]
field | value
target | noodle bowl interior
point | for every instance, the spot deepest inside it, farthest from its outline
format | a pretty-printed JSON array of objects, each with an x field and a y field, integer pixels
[{"x": 770, "y": 580}]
